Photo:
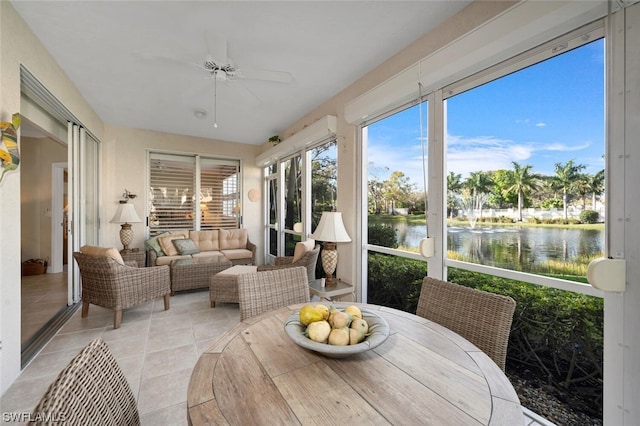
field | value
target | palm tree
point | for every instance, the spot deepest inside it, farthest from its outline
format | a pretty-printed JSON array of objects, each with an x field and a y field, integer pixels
[
  {"x": 479, "y": 183},
  {"x": 454, "y": 185},
  {"x": 566, "y": 175},
  {"x": 521, "y": 182},
  {"x": 597, "y": 187}
]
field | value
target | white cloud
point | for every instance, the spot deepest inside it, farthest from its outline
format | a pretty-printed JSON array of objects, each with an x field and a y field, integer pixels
[
  {"x": 541, "y": 124},
  {"x": 466, "y": 155},
  {"x": 564, "y": 148}
]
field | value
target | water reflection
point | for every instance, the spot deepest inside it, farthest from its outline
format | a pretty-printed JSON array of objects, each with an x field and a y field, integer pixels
[{"x": 505, "y": 246}]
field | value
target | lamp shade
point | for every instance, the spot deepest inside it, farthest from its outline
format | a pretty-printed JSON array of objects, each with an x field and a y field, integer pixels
[
  {"x": 331, "y": 228},
  {"x": 125, "y": 214}
]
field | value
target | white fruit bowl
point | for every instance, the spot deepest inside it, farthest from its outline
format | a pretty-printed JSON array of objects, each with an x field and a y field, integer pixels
[{"x": 378, "y": 333}]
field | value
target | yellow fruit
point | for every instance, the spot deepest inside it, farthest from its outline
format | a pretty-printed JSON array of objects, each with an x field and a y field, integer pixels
[
  {"x": 308, "y": 314},
  {"x": 319, "y": 331},
  {"x": 340, "y": 319},
  {"x": 353, "y": 310},
  {"x": 360, "y": 325},
  {"x": 323, "y": 310},
  {"x": 339, "y": 336},
  {"x": 355, "y": 336}
]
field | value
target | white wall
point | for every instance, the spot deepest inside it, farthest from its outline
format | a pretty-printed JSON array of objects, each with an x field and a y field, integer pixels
[{"x": 125, "y": 166}]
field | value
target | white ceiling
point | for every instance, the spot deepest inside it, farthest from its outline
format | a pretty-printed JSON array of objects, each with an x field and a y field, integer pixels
[{"x": 131, "y": 60}]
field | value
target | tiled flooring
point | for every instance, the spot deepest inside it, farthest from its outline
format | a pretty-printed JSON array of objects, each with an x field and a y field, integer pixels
[
  {"x": 156, "y": 350},
  {"x": 42, "y": 297}
]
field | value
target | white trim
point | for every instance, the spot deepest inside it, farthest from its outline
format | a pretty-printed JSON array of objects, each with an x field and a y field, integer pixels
[
  {"x": 57, "y": 217},
  {"x": 520, "y": 28},
  {"x": 320, "y": 130}
]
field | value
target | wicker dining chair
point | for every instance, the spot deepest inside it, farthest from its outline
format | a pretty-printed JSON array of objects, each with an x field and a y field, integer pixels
[
  {"x": 91, "y": 390},
  {"x": 481, "y": 317},
  {"x": 309, "y": 261},
  {"x": 109, "y": 284},
  {"x": 261, "y": 292}
]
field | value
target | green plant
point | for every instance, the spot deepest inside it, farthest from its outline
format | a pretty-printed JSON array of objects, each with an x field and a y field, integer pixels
[
  {"x": 589, "y": 216},
  {"x": 275, "y": 139},
  {"x": 382, "y": 235}
]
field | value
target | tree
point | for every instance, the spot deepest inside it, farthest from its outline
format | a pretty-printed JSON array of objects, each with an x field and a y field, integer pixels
[
  {"x": 479, "y": 184},
  {"x": 521, "y": 182},
  {"x": 397, "y": 189},
  {"x": 566, "y": 175},
  {"x": 454, "y": 185},
  {"x": 597, "y": 187}
]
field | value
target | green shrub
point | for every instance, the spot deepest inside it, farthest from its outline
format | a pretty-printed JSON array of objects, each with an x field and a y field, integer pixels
[
  {"x": 556, "y": 335},
  {"x": 589, "y": 216},
  {"x": 382, "y": 235},
  {"x": 395, "y": 281}
]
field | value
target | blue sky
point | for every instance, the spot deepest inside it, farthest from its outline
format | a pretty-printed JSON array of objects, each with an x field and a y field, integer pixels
[{"x": 550, "y": 112}]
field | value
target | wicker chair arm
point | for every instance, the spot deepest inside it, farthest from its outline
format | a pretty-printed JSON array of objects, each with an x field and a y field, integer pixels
[
  {"x": 285, "y": 261},
  {"x": 252, "y": 247},
  {"x": 153, "y": 256}
]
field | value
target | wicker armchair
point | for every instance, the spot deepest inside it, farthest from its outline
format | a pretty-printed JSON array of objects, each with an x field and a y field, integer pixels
[
  {"x": 111, "y": 285},
  {"x": 309, "y": 261},
  {"x": 481, "y": 317},
  {"x": 265, "y": 291},
  {"x": 91, "y": 390}
]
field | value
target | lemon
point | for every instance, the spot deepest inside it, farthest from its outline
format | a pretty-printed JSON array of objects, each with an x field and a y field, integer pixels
[
  {"x": 323, "y": 310},
  {"x": 309, "y": 314},
  {"x": 353, "y": 310}
]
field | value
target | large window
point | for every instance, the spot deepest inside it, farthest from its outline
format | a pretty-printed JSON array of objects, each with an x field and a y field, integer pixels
[
  {"x": 193, "y": 192},
  {"x": 525, "y": 164},
  {"x": 299, "y": 188}
]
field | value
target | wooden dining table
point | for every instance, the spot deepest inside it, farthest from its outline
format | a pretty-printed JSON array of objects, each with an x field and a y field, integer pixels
[{"x": 422, "y": 374}]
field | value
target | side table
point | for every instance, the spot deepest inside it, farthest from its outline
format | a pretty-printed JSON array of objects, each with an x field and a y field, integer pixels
[
  {"x": 342, "y": 288},
  {"x": 137, "y": 255}
]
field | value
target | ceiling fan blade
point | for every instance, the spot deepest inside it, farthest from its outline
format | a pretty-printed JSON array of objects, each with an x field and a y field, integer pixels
[
  {"x": 217, "y": 47},
  {"x": 168, "y": 59},
  {"x": 264, "y": 75},
  {"x": 245, "y": 93}
]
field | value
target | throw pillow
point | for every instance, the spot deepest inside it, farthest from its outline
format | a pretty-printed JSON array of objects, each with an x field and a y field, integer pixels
[
  {"x": 186, "y": 246},
  {"x": 111, "y": 252},
  {"x": 167, "y": 244},
  {"x": 153, "y": 243},
  {"x": 303, "y": 248}
]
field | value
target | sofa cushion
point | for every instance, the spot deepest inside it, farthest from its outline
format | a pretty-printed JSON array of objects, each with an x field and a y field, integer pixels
[
  {"x": 302, "y": 248},
  {"x": 206, "y": 254},
  {"x": 233, "y": 239},
  {"x": 166, "y": 260},
  {"x": 185, "y": 246},
  {"x": 167, "y": 244},
  {"x": 111, "y": 252},
  {"x": 205, "y": 240},
  {"x": 153, "y": 243},
  {"x": 235, "y": 254}
]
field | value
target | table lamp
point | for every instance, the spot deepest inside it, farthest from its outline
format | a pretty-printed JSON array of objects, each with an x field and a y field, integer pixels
[
  {"x": 331, "y": 231},
  {"x": 126, "y": 215}
]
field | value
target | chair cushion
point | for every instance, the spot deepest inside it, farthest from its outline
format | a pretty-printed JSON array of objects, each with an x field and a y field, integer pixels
[
  {"x": 233, "y": 239},
  {"x": 167, "y": 244},
  {"x": 185, "y": 246},
  {"x": 205, "y": 240},
  {"x": 303, "y": 248},
  {"x": 111, "y": 252},
  {"x": 153, "y": 243}
]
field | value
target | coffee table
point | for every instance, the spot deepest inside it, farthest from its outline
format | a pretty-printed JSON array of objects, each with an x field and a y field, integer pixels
[
  {"x": 188, "y": 274},
  {"x": 223, "y": 287}
]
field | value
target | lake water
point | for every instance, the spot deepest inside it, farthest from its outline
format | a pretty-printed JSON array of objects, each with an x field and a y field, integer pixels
[{"x": 501, "y": 246}]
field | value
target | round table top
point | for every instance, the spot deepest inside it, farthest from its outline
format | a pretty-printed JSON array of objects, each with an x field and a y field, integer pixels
[{"x": 422, "y": 374}]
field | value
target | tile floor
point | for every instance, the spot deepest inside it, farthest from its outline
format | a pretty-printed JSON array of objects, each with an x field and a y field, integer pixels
[{"x": 156, "y": 350}]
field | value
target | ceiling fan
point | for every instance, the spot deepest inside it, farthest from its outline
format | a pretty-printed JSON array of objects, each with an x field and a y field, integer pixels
[{"x": 221, "y": 69}]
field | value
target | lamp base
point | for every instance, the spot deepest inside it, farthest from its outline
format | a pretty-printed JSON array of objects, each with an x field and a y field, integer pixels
[
  {"x": 330, "y": 282},
  {"x": 126, "y": 236}
]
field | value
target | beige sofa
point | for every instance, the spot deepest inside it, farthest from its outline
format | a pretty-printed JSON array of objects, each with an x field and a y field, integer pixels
[{"x": 233, "y": 244}]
